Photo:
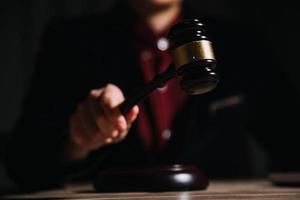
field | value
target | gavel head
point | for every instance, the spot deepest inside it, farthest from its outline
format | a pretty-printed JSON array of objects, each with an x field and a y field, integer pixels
[{"x": 193, "y": 57}]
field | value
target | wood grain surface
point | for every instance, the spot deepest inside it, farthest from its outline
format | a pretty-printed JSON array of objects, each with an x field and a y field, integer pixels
[{"x": 234, "y": 189}]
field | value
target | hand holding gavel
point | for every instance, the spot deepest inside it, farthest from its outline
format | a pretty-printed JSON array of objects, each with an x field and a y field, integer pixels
[
  {"x": 106, "y": 116},
  {"x": 98, "y": 121}
]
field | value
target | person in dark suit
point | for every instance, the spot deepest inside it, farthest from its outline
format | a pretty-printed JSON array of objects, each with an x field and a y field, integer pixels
[{"x": 71, "y": 123}]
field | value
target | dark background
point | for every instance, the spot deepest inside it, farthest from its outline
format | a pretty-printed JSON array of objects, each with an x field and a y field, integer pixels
[{"x": 23, "y": 21}]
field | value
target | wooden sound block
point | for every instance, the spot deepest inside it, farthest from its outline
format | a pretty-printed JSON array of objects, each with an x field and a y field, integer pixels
[
  {"x": 285, "y": 178},
  {"x": 151, "y": 179}
]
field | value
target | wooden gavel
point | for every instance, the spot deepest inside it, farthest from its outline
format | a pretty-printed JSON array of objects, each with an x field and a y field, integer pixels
[{"x": 193, "y": 62}]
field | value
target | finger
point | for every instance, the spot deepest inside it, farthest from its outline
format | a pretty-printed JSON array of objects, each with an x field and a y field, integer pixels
[
  {"x": 121, "y": 123},
  {"x": 112, "y": 128},
  {"x": 111, "y": 139},
  {"x": 110, "y": 99},
  {"x": 108, "y": 130},
  {"x": 96, "y": 92},
  {"x": 97, "y": 112},
  {"x": 132, "y": 114},
  {"x": 105, "y": 112},
  {"x": 129, "y": 117},
  {"x": 100, "y": 119}
]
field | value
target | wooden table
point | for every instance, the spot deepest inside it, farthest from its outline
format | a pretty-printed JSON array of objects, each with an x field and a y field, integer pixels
[{"x": 235, "y": 189}]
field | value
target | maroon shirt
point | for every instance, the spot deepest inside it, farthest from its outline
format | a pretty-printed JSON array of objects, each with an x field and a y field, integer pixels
[{"x": 159, "y": 110}]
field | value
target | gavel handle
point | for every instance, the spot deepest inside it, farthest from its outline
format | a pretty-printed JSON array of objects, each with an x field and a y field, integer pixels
[{"x": 158, "y": 81}]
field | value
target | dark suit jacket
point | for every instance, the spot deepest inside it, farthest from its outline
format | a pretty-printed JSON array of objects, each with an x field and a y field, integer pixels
[{"x": 211, "y": 131}]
